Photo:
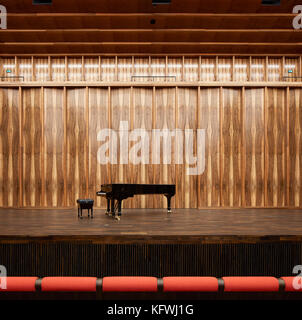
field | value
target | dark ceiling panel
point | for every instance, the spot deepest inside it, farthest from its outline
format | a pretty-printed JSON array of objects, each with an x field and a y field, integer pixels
[{"x": 123, "y": 26}]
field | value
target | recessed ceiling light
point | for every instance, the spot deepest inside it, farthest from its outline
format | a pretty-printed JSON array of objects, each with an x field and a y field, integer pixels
[
  {"x": 155, "y": 2},
  {"x": 271, "y": 2},
  {"x": 42, "y": 1}
]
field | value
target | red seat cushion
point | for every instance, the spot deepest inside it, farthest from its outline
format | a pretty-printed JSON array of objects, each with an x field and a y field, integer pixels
[
  {"x": 250, "y": 284},
  {"x": 190, "y": 284},
  {"x": 69, "y": 284},
  {"x": 20, "y": 284},
  {"x": 289, "y": 283},
  {"x": 130, "y": 284}
]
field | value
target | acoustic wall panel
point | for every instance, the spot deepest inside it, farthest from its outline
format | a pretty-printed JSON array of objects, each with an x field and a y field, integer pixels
[
  {"x": 99, "y": 171},
  {"x": 50, "y": 143},
  {"x": 209, "y": 120},
  {"x": 231, "y": 147},
  {"x": 164, "y": 119},
  {"x": 295, "y": 147},
  {"x": 253, "y": 152},
  {"x": 54, "y": 148},
  {"x": 186, "y": 119},
  {"x": 31, "y": 145},
  {"x": 276, "y": 144},
  {"x": 141, "y": 118},
  {"x": 10, "y": 112},
  {"x": 76, "y": 148}
]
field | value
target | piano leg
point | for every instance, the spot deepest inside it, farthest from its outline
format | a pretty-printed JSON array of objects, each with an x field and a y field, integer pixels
[
  {"x": 91, "y": 213},
  {"x": 169, "y": 202},
  {"x": 108, "y": 206},
  {"x": 119, "y": 213},
  {"x": 112, "y": 208}
]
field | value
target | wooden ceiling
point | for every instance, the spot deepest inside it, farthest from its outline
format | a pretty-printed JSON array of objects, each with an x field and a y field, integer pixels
[{"x": 123, "y": 27}]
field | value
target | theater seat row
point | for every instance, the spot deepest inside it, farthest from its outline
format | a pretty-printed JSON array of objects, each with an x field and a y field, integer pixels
[{"x": 149, "y": 284}]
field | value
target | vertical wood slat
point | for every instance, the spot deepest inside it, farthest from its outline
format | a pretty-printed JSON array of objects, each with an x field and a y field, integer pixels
[
  {"x": 20, "y": 110},
  {"x": 54, "y": 132},
  {"x": 276, "y": 136},
  {"x": 287, "y": 146},
  {"x": 9, "y": 148},
  {"x": 76, "y": 145},
  {"x": 231, "y": 143},
  {"x": 98, "y": 120},
  {"x": 209, "y": 115},
  {"x": 253, "y": 153},
  {"x": 186, "y": 111},
  {"x": 65, "y": 144},
  {"x": 32, "y": 141},
  {"x": 295, "y": 147},
  {"x": 42, "y": 147},
  {"x": 87, "y": 139},
  {"x": 243, "y": 140}
]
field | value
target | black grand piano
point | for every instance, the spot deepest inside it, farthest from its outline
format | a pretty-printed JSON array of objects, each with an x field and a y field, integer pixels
[{"x": 118, "y": 192}]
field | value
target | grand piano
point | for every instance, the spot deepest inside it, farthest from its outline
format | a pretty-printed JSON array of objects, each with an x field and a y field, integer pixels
[{"x": 115, "y": 193}]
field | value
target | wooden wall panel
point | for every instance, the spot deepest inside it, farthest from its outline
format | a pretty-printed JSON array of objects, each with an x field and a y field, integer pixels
[
  {"x": 92, "y": 69},
  {"x": 224, "y": 69},
  {"x": 164, "y": 119},
  {"x": 174, "y": 69},
  {"x": 76, "y": 146},
  {"x": 186, "y": 115},
  {"x": 231, "y": 147},
  {"x": 120, "y": 111},
  {"x": 209, "y": 119},
  {"x": 142, "y": 119},
  {"x": 257, "y": 69},
  {"x": 124, "y": 69},
  {"x": 252, "y": 148},
  {"x": 191, "y": 69},
  {"x": 98, "y": 120},
  {"x": 295, "y": 147},
  {"x": 207, "y": 69},
  {"x": 158, "y": 69},
  {"x": 74, "y": 67},
  {"x": 253, "y": 155},
  {"x": 9, "y": 147},
  {"x": 42, "y": 71},
  {"x": 53, "y": 155},
  {"x": 276, "y": 144},
  {"x": 32, "y": 143}
]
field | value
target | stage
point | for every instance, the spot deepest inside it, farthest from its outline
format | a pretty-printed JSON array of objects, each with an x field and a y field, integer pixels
[{"x": 151, "y": 242}]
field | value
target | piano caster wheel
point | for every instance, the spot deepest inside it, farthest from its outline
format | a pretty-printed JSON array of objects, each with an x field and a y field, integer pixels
[
  {"x": 118, "y": 218},
  {"x": 107, "y": 213},
  {"x": 169, "y": 211}
]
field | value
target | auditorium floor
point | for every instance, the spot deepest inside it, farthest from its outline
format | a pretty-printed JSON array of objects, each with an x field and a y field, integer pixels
[{"x": 256, "y": 224}]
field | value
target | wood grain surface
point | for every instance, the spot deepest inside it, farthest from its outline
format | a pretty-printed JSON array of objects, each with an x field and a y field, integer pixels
[
  {"x": 276, "y": 142},
  {"x": 49, "y": 144},
  {"x": 9, "y": 147}
]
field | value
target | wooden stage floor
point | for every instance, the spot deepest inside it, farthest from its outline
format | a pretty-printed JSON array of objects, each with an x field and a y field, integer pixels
[
  {"x": 150, "y": 242},
  {"x": 154, "y": 224}
]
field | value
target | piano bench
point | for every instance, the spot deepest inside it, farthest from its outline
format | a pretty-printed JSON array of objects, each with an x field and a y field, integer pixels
[{"x": 85, "y": 204}]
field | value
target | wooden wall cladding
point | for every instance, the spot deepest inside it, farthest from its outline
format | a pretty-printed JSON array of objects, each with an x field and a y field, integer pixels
[
  {"x": 76, "y": 143},
  {"x": 276, "y": 146},
  {"x": 10, "y": 112},
  {"x": 209, "y": 119},
  {"x": 54, "y": 148},
  {"x": 50, "y": 142},
  {"x": 31, "y": 133},
  {"x": 231, "y": 147},
  {"x": 253, "y": 148},
  {"x": 295, "y": 147},
  {"x": 150, "y": 68}
]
